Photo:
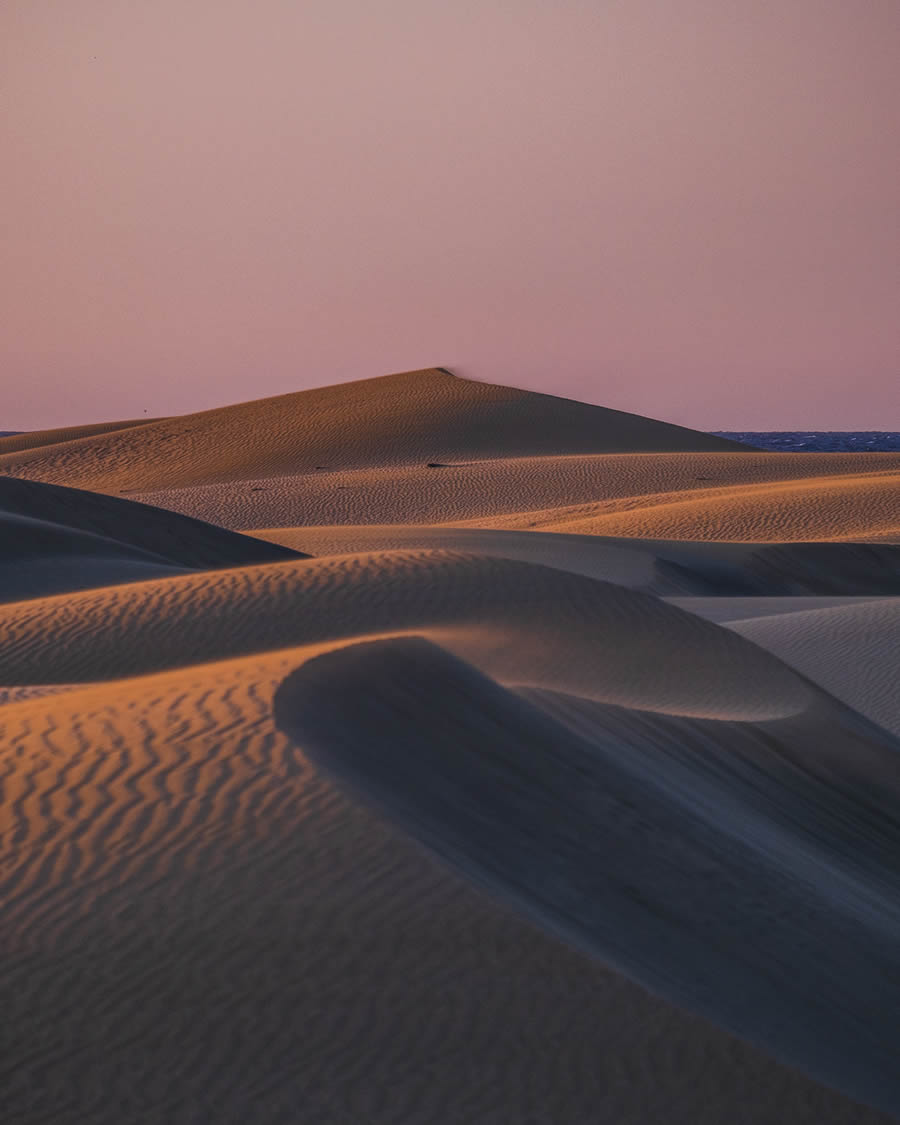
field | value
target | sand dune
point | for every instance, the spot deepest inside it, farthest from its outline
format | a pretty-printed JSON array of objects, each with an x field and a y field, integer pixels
[
  {"x": 855, "y": 507},
  {"x": 726, "y": 610},
  {"x": 412, "y": 417},
  {"x": 427, "y": 447},
  {"x": 56, "y": 539},
  {"x": 755, "y": 875},
  {"x": 851, "y": 650},
  {"x": 632, "y": 653},
  {"x": 554, "y": 493},
  {"x": 636, "y": 683},
  {"x": 33, "y": 439},
  {"x": 199, "y": 924},
  {"x": 664, "y": 567}
]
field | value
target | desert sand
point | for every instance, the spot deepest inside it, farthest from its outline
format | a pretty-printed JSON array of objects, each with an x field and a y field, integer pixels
[{"x": 420, "y": 750}]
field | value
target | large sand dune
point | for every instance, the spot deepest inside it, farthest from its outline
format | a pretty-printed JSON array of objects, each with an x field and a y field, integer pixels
[
  {"x": 54, "y": 538},
  {"x": 638, "y": 686},
  {"x": 748, "y": 869},
  {"x": 413, "y": 417},
  {"x": 173, "y": 866}
]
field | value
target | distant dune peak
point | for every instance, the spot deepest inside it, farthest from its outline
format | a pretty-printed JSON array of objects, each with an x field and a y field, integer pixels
[{"x": 406, "y": 418}]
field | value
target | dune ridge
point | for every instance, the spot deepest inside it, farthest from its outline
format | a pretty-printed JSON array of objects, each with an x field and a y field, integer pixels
[
  {"x": 58, "y": 539},
  {"x": 15, "y": 442},
  {"x": 663, "y": 567},
  {"x": 851, "y": 650},
  {"x": 413, "y": 416}
]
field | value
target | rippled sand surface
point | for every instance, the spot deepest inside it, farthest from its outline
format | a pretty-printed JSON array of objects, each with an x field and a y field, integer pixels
[{"x": 559, "y": 785}]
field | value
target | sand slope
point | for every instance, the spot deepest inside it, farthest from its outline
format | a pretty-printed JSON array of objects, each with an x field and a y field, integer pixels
[
  {"x": 198, "y": 925},
  {"x": 189, "y": 619},
  {"x": 857, "y": 506},
  {"x": 664, "y": 567},
  {"x": 54, "y": 539},
  {"x": 412, "y": 417},
  {"x": 427, "y": 447},
  {"x": 851, "y": 650},
  {"x": 32, "y": 439},
  {"x": 576, "y": 494},
  {"x": 219, "y": 762},
  {"x": 755, "y": 872}
]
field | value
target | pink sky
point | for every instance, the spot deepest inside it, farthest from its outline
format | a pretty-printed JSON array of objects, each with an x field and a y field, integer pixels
[{"x": 684, "y": 208}]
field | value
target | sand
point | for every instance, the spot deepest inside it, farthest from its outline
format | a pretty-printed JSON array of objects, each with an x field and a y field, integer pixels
[
  {"x": 54, "y": 538},
  {"x": 558, "y": 786}
]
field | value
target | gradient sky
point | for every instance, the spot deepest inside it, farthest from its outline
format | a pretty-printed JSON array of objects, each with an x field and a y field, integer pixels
[{"x": 684, "y": 208}]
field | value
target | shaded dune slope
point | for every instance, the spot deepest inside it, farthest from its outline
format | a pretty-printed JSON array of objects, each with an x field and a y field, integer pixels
[
  {"x": 412, "y": 417},
  {"x": 748, "y": 870},
  {"x": 663, "y": 567},
  {"x": 199, "y": 925},
  {"x": 474, "y": 604},
  {"x": 851, "y": 650},
  {"x": 56, "y": 538}
]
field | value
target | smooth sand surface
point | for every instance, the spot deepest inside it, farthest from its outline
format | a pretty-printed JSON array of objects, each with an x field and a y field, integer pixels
[
  {"x": 852, "y": 650},
  {"x": 466, "y": 819}
]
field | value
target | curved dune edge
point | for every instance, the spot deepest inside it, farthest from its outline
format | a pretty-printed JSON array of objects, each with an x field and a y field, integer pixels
[
  {"x": 55, "y": 539},
  {"x": 198, "y": 923},
  {"x": 744, "y": 870},
  {"x": 850, "y": 650},
  {"x": 535, "y": 624},
  {"x": 663, "y": 567}
]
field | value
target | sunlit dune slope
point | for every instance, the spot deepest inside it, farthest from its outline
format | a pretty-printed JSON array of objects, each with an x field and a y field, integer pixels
[
  {"x": 199, "y": 925},
  {"x": 637, "y": 642},
  {"x": 854, "y": 507},
  {"x": 553, "y": 493},
  {"x": 665, "y": 567},
  {"x": 54, "y": 538},
  {"x": 414, "y": 417},
  {"x": 62, "y": 435}
]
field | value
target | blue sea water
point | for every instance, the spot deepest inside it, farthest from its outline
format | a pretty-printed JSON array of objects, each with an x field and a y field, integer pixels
[{"x": 819, "y": 441}]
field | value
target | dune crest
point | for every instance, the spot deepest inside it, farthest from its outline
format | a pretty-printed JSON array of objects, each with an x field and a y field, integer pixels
[
  {"x": 58, "y": 539},
  {"x": 743, "y": 870},
  {"x": 411, "y": 417}
]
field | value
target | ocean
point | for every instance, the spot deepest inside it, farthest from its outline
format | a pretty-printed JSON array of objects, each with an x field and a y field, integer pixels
[{"x": 818, "y": 441}]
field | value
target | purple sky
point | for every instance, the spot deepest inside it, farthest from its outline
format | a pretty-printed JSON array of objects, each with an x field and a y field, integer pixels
[{"x": 684, "y": 208}]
